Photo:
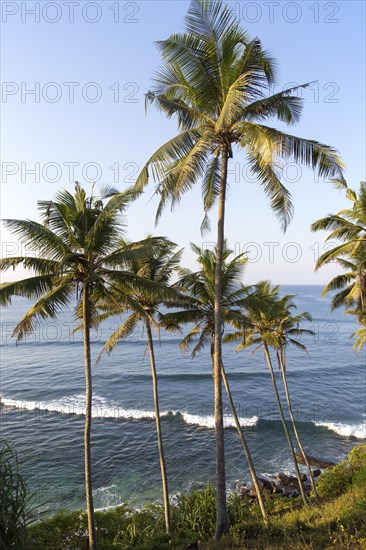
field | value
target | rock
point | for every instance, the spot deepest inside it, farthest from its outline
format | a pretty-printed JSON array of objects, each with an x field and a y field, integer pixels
[
  {"x": 284, "y": 479},
  {"x": 265, "y": 487},
  {"x": 283, "y": 485},
  {"x": 290, "y": 488},
  {"x": 244, "y": 491},
  {"x": 276, "y": 489},
  {"x": 314, "y": 461}
]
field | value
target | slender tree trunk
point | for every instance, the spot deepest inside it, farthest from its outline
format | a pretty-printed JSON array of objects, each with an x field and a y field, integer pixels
[
  {"x": 298, "y": 475},
  {"x": 158, "y": 428},
  {"x": 362, "y": 282},
  {"x": 245, "y": 446},
  {"x": 222, "y": 520},
  {"x": 88, "y": 419},
  {"x": 294, "y": 426}
]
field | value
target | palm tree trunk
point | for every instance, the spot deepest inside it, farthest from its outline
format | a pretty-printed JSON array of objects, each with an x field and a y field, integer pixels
[
  {"x": 88, "y": 419},
  {"x": 158, "y": 428},
  {"x": 294, "y": 426},
  {"x": 362, "y": 282},
  {"x": 222, "y": 520},
  {"x": 245, "y": 445},
  {"x": 298, "y": 475}
]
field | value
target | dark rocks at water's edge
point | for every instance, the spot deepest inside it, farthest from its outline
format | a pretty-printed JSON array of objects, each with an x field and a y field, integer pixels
[
  {"x": 314, "y": 461},
  {"x": 282, "y": 485}
]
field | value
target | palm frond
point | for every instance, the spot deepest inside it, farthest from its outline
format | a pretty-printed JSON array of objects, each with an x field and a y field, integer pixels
[
  {"x": 40, "y": 266},
  {"x": 310, "y": 153},
  {"x": 283, "y": 106},
  {"x": 360, "y": 341},
  {"x": 280, "y": 197},
  {"x": 123, "y": 331},
  {"x": 172, "y": 151},
  {"x": 39, "y": 238},
  {"x": 49, "y": 305},
  {"x": 32, "y": 287},
  {"x": 210, "y": 188}
]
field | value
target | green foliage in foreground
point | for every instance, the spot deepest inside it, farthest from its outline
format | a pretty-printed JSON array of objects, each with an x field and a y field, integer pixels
[
  {"x": 335, "y": 482},
  {"x": 338, "y": 522},
  {"x": 15, "y": 506}
]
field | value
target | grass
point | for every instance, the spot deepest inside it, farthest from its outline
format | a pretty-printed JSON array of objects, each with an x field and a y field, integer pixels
[{"x": 339, "y": 521}]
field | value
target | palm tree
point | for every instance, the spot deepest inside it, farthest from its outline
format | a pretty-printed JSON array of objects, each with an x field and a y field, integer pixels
[
  {"x": 201, "y": 288},
  {"x": 260, "y": 327},
  {"x": 142, "y": 305},
  {"x": 349, "y": 227},
  {"x": 216, "y": 81},
  {"x": 78, "y": 252},
  {"x": 286, "y": 331}
]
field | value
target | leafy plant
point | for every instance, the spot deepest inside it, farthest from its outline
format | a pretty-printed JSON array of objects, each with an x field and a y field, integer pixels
[
  {"x": 349, "y": 227},
  {"x": 196, "y": 512},
  {"x": 357, "y": 457},
  {"x": 335, "y": 481},
  {"x": 15, "y": 509}
]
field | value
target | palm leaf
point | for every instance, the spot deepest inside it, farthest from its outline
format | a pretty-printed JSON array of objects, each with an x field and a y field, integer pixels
[
  {"x": 32, "y": 287},
  {"x": 123, "y": 331},
  {"x": 39, "y": 237},
  {"x": 57, "y": 298}
]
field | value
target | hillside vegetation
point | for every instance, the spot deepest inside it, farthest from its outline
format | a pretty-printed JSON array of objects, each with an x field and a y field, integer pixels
[{"x": 338, "y": 521}]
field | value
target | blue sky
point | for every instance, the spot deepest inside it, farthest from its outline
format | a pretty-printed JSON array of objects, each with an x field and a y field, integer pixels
[{"x": 104, "y": 55}]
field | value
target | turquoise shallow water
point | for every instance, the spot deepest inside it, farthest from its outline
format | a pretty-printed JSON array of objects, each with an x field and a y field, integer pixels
[{"x": 42, "y": 385}]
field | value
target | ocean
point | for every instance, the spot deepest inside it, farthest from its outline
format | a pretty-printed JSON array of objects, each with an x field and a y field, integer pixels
[{"x": 42, "y": 387}]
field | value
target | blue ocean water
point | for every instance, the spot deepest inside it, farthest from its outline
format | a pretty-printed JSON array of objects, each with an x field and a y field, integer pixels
[{"x": 42, "y": 386}]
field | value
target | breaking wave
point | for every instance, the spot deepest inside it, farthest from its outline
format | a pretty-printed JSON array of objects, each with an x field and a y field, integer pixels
[
  {"x": 105, "y": 408},
  {"x": 346, "y": 430}
]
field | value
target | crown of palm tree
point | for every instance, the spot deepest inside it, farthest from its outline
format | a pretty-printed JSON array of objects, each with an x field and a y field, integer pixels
[
  {"x": 142, "y": 302},
  {"x": 349, "y": 227},
  {"x": 200, "y": 286},
  {"x": 78, "y": 243},
  {"x": 216, "y": 81},
  {"x": 269, "y": 318}
]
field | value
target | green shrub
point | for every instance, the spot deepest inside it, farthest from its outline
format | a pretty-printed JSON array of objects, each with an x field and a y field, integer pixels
[
  {"x": 63, "y": 531},
  {"x": 142, "y": 529},
  {"x": 357, "y": 457},
  {"x": 195, "y": 513},
  {"x": 359, "y": 478},
  {"x": 15, "y": 500},
  {"x": 351, "y": 527},
  {"x": 121, "y": 529},
  {"x": 335, "y": 481},
  {"x": 240, "y": 509},
  {"x": 247, "y": 530}
]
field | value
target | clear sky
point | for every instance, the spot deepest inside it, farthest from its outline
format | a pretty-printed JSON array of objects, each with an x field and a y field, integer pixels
[{"x": 89, "y": 65}]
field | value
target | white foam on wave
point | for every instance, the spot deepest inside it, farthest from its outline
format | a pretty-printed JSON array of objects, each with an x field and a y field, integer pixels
[
  {"x": 102, "y": 408},
  {"x": 105, "y": 408},
  {"x": 346, "y": 430},
  {"x": 208, "y": 421}
]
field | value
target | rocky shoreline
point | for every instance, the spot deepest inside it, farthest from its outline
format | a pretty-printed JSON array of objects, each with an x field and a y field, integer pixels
[{"x": 285, "y": 485}]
